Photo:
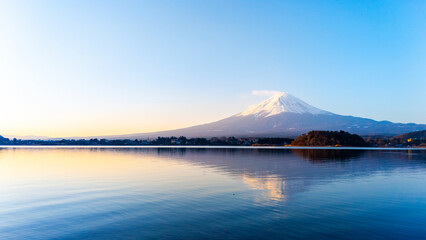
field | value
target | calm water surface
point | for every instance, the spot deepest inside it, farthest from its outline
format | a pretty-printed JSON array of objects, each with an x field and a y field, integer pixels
[{"x": 142, "y": 193}]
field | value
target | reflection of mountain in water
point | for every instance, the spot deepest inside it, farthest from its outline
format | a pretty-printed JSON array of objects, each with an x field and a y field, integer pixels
[
  {"x": 274, "y": 186},
  {"x": 282, "y": 173}
]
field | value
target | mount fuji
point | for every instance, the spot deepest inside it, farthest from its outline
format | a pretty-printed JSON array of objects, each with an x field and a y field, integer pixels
[{"x": 284, "y": 115}]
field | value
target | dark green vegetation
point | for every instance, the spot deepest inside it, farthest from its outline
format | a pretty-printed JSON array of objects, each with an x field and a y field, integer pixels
[
  {"x": 313, "y": 138},
  {"x": 329, "y": 138},
  {"x": 160, "y": 141},
  {"x": 412, "y": 139},
  {"x": 419, "y": 135},
  {"x": 273, "y": 141}
]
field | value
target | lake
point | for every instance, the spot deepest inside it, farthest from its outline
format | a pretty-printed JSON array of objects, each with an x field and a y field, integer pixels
[{"x": 212, "y": 193}]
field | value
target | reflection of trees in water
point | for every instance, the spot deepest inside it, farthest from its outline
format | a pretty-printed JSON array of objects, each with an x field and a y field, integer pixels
[
  {"x": 222, "y": 151},
  {"x": 325, "y": 155},
  {"x": 311, "y": 154},
  {"x": 315, "y": 155},
  {"x": 190, "y": 151}
]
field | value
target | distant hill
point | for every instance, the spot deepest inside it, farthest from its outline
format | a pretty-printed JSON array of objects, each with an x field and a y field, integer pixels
[
  {"x": 419, "y": 135},
  {"x": 3, "y": 139},
  {"x": 329, "y": 138},
  {"x": 28, "y": 137}
]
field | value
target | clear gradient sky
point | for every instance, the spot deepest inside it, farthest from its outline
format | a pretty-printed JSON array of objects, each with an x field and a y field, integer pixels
[{"x": 84, "y": 68}]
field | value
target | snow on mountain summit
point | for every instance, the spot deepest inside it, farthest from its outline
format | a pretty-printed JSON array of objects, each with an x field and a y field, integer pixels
[{"x": 280, "y": 103}]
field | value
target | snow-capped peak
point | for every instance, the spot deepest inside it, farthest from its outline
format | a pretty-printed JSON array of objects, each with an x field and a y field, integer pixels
[{"x": 279, "y": 103}]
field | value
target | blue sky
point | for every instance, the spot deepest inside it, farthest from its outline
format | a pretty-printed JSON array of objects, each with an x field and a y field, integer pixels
[{"x": 74, "y": 68}]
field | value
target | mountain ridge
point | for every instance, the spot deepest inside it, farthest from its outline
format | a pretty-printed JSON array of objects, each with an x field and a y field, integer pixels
[{"x": 283, "y": 115}]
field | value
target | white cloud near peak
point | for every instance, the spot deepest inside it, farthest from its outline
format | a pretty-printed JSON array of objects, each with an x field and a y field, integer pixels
[{"x": 265, "y": 92}]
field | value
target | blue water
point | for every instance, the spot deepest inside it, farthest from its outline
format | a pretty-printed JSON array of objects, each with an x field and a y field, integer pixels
[{"x": 184, "y": 193}]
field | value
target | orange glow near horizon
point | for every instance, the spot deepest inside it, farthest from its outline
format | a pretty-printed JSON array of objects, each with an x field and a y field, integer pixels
[
  {"x": 57, "y": 130},
  {"x": 58, "y": 164}
]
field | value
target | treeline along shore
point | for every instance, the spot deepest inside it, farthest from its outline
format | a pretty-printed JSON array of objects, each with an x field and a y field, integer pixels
[{"x": 313, "y": 138}]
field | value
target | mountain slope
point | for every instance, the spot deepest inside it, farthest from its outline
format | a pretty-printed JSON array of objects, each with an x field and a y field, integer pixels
[
  {"x": 285, "y": 115},
  {"x": 415, "y": 135}
]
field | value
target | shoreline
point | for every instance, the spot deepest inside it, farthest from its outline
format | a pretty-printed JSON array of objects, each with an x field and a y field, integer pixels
[{"x": 207, "y": 147}]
